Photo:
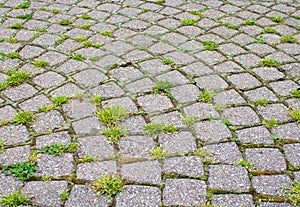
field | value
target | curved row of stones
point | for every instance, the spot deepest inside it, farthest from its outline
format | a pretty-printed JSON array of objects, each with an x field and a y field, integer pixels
[{"x": 131, "y": 43}]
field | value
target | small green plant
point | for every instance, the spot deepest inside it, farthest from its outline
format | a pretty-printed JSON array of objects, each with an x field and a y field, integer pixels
[
  {"x": 2, "y": 56},
  {"x": 295, "y": 114},
  {"x": 107, "y": 33},
  {"x": 77, "y": 56},
  {"x": 226, "y": 122},
  {"x": 88, "y": 158},
  {"x": 269, "y": 30},
  {"x": 189, "y": 22},
  {"x": 206, "y": 96},
  {"x": 24, "y": 5},
  {"x": 275, "y": 137},
  {"x": 249, "y": 22},
  {"x": 42, "y": 9},
  {"x": 95, "y": 58},
  {"x": 85, "y": 26},
  {"x": 246, "y": 164},
  {"x": 167, "y": 61},
  {"x": 59, "y": 100},
  {"x": 295, "y": 93},
  {"x": 170, "y": 129},
  {"x": 62, "y": 39},
  {"x": 288, "y": 39},
  {"x": 155, "y": 128},
  {"x": 163, "y": 87},
  {"x": 40, "y": 63},
  {"x": 58, "y": 149},
  {"x": 2, "y": 40},
  {"x": 269, "y": 62},
  {"x": 1, "y": 146},
  {"x": 210, "y": 45},
  {"x": 47, "y": 178},
  {"x": 158, "y": 153},
  {"x": 16, "y": 77},
  {"x": 109, "y": 185},
  {"x": 65, "y": 22},
  {"x": 144, "y": 10},
  {"x": 277, "y": 19},
  {"x": 297, "y": 17},
  {"x": 96, "y": 100},
  {"x": 12, "y": 40},
  {"x": 160, "y": 1},
  {"x": 21, "y": 170},
  {"x": 293, "y": 193},
  {"x": 196, "y": 12},
  {"x": 188, "y": 120},
  {"x": 80, "y": 39},
  {"x": 201, "y": 152},
  {"x": 262, "y": 102},
  {"x": 15, "y": 199},
  {"x": 231, "y": 26},
  {"x": 260, "y": 40},
  {"x": 15, "y": 26},
  {"x": 25, "y": 16},
  {"x": 86, "y": 16},
  {"x": 13, "y": 55},
  {"x": 55, "y": 11},
  {"x": 23, "y": 118},
  {"x": 111, "y": 115},
  {"x": 114, "y": 134},
  {"x": 271, "y": 123},
  {"x": 64, "y": 195},
  {"x": 87, "y": 43}
]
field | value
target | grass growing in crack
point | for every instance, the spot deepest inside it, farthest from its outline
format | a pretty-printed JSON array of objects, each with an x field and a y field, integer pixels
[
  {"x": 85, "y": 26},
  {"x": 62, "y": 39},
  {"x": 63, "y": 196},
  {"x": 25, "y": 16},
  {"x": 55, "y": 11},
  {"x": 163, "y": 86},
  {"x": 167, "y": 61},
  {"x": 96, "y": 100},
  {"x": 226, "y": 122},
  {"x": 111, "y": 115},
  {"x": 189, "y": 22},
  {"x": 269, "y": 30},
  {"x": 188, "y": 120},
  {"x": 206, "y": 96},
  {"x": 23, "y": 5},
  {"x": 21, "y": 170},
  {"x": 80, "y": 39},
  {"x": 109, "y": 185},
  {"x": 88, "y": 158},
  {"x": 261, "y": 102},
  {"x": 114, "y": 134},
  {"x": 77, "y": 56},
  {"x": 85, "y": 16},
  {"x": 155, "y": 128},
  {"x": 249, "y": 22},
  {"x": 15, "y": 26},
  {"x": 158, "y": 153},
  {"x": 210, "y": 45},
  {"x": 65, "y": 22},
  {"x": 1, "y": 146},
  {"x": 246, "y": 164},
  {"x": 295, "y": 114},
  {"x": 269, "y": 62},
  {"x": 160, "y": 1},
  {"x": 275, "y": 137},
  {"x": 95, "y": 58},
  {"x": 87, "y": 43},
  {"x": 288, "y": 39},
  {"x": 12, "y": 40},
  {"x": 107, "y": 33},
  {"x": 295, "y": 93},
  {"x": 271, "y": 123},
  {"x": 40, "y": 63},
  {"x": 277, "y": 19},
  {"x": 58, "y": 149},
  {"x": 196, "y": 12},
  {"x": 59, "y": 100},
  {"x": 201, "y": 152},
  {"x": 231, "y": 26},
  {"x": 292, "y": 193},
  {"x": 16, "y": 78},
  {"x": 22, "y": 118},
  {"x": 15, "y": 199},
  {"x": 13, "y": 55}
]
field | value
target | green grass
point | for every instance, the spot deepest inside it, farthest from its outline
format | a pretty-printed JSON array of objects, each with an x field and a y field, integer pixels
[
  {"x": 59, "y": 100},
  {"x": 202, "y": 152},
  {"x": 155, "y": 128},
  {"x": 295, "y": 93},
  {"x": 12, "y": 40},
  {"x": 23, "y": 118},
  {"x": 25, "y": 16},
  {"x": 295, "y": 114},
  {"x": 65, "y": 22},
  {"x": 164, "y": 87},
  {"x": 87, "y": 43},
  {"x": 189, "y": 22},
  {"x": 85, "y": 26},
  {"x": 40, "y": 63},
  {"x": 288, "y": 39},
  {"x": 23, "y": 5},
  {"x": 277, "y": 19},
  {"x": 260, "y": 40},
  {"x": 160, "y": 1},
  {"x": 109, "y": 185},
  {"x": 292, "y": 193},
  {"x": 275, "y": 137},
  {"x": 15, "y": 199},
  {"x": 16, "y": 77},
  {"x": 58, "y": 149},
  {"x": 96, "y": 100},
  {"x": 80, "y": 39},
  {"x": 210, "y": 45},
  {"x": 158, "y": 153},
  {"x": 231, "y": 26},
  {"x": 63, "y": 196},
  {"x": 85, "y": 16},
  {"x": 188, "y": 120},
  {"x": 262, "y": 102},
  {"x": 95, "y": 58},
  {"x": 15, "y": 26},
  {"x": 21, "y": 170},
  {"x": 63, "y": 38},
  {"x": 107, "y": 33},
  {"x": 114, "y": 134},
  {"x": 206, "y": 96},
  {"x": 55, "y": 11},
  {"x": 13, "y": 55},
  {"x": 249, "y": 22},
  {"x": 246, "y": 164},
  {"x": 1, "y": 146},
  {"x": 88, "y": 158},
  {"x": 271, "y": 123},
  {"x": 196, "y": 12},
  {"x": 269, "y": 62},
  {"x": 111, "y": 115},
  {"x": 269, "y": 30},
  {"x": 77, "y": 56},
  {"x": 167, "y": 61}
]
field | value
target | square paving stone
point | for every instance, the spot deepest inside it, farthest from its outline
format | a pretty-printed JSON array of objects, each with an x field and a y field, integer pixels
[
  {"x": 212, "y": 131},
  {"x": 48, "y": 121},
  {"x": 270, "y": 184},
  {"x": 292, "y": 153},
  {"x": 124, "y": 74},
  {"x": 290, "y": 131},
  {"x": 20, "y": 92},
  {"x": 124, "y": 101},
  {"x": 72, "y": 66},
  {"x": 180, "y": 58},
  {"x": 89, "y": 126},
  {"x": 174, "y": 77},
  {"x": 266, "y": 159},
  {"x": 201, "y": 110},
  {"x": 233, "y": 200},
  {"x": 255, "y": 135},
  {"x": 284, "y": 88},
  {"x": 107, "y": 90},
  {"x": 91, "y": 171},
  {"x": 8, "y": 184},
  {"x": 45, "y": 193},
  {"x": 68, "y": 90},
  {"x": 14, "y": 134},
  {"x": 228, "y": 97},
  {"x": 261, "y": 93},
  {"x": 172, "y": 118},
  {"x": 210, "y": 57},
  {"x": 154, "y": 103},
  {"x": 185, "y": 93},
  {"x": 15, "y": 154},
  {"x": 84, "y": 196},
  {"x": 188, "y": 166},
  {"x": 137, "y": 195},
  {"x": 31, "y": 51},
  {"x": 34, "y": 103},
  {"x": 90, "y": 77},
  {"x": 231, "y": 49},
  {"x": 228, "y": 178},
  {"x": 279, "y": 112},
  {"x": 153, "y": 66},
  {"x": 197, "y": 68},
  {"x": 95, "y": 146},
  {"x": 53, "y": 58},
  {"x": 140, "y": 86},
  {"x": 180, "y": 142},
  {"x": 134, "y": 124},
  {"x": 46, "y": 140},
  {"x": 48, "y": 79},
  {"x": 243, "y": 80},
  {"x": 241, "y": 115},
  {"x": 142, "y": 172},
  {"x": 225, "y": 153},
  {"x": 248, "y": 60},
  {"x": 55, "y": 165},
  {"x": 79, "y": 108},
  {"x": 184, "y": 192},
  {"x": 272, "y": 204},
  {"x": 211, "y": 82}
]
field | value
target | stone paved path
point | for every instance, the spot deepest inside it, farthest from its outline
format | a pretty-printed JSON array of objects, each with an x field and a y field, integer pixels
[{"x": 222, "y": 78}]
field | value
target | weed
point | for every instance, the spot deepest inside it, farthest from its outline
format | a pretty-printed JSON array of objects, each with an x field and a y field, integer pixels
[
  {"x": 55, "y": 11},
  {"x": 2, "y": 39},
  {"x": 297, "y": 17},
  {"x": 288, "y": 39},
  {"x": 189, "y": 21},
  {"x": 201, "y": 152},
  {"x": 42, "y": 9},
  {"x": 15, "y": 199},
  {"x": 188, "y": 120},
  {"x": 16, "y": 77},
  {"x": 40, "y": 63},
  {"x": 295, "y": 114},
  {"x": 1, "y": 4},
  {"x": 260, "y": 40},
  {"x": 64, "y": 22},
  {"x": 13, "y": 55},
  {"x": 59, "y": 100},
  {"x": 96, "y": 100},
  {"x": 206, "y": 96},
  {"x": 80, "y": 39},
  {"x": 114, "y": 134},
  {"x": 226, "y": 122},
  {"x": 293, "y": 193},
  {"x": 163, "y": 87},
  {"x": 36, "y": 35},
  {"x": 144, "y": 10},
  {"x": 12, "y": 40},
  {"x": 24, "y": 5},
  {"x": 160, "y": 1},
  {"x": 22, "y": 118},
  {"x": 45, "y": 108},
  {"x": 86, "y": 16},
  {"x": 219, "y": 107},
  {"x": 231, "y": 26},
  {"x": 96, "y": 45},
  {"x": 88, "y": 158},
  {"x": 87, "y": 43},
  {"x": 295, "y": 93},
  {"x": 277, "y": 19},
  {"x": 85, "y": 26},
  {"x": 2, "y": 56},
  {"x": 269, "y": 30},
  {"x": 62, "y": 39},
  {"x": 63, "y": 196},
  {"x": 77, "y": 56},
  {"x": 275, "y": 137},
  {"x": 111, "y": 115},
  {"x": 249, "y": 22},
  {"x": 269, "y": 62},
  {"x": 167, "y": 61},
  {"x": 298, "y": 27},
  {"x": 57, "y": 149},
  {"x": 155, "y": 128},
  {"x": 25, "y": 16},
  {"x": 158, "y": 153},
  {"x": 246, "y": 164},
  {"x": 107, "y": 33},
  {"x": 196, "y": 12},
  {"x": 21, "y": 170},
  {"x": 170, "y": 129},
  {"x": 262, "y": 102},
  {"x": 1, "y": 146},
  {"x": 3, "y": 86},
  {"x": 271, "y": 123},
  {"x": 209, "y": 205},
  {"x": 47, "y": 178},
  {"x": 210, "y": 45},
  {"x": 115, "y": 65},
  {"x": 109, "y": 185},
  {"x": 95, "y": 58}
]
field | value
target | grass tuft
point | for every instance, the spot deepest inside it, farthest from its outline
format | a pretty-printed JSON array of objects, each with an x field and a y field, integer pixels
[
  {"x": 40, "y": 63},
  {"x": 277, "y": 19},
  {"x": 23, "y": 5},
  {"x": 210, "y": 45},
  {"x": 21, "y": 170},
  {"x": 155, "y": 128},
  {"x": 288, "y": 39},
  {"x": 109, "y": 185},
  {"x": 114, "y": 134},
  {"x": 23, "y": 118},
  {"x": 158, "y": 153},
  {"x": 189, "y": 22},
  {"x": 295, "y": 114},
  {"x": 269, "y": 62},
  {"x": 15, "y": 199},
  {"x": 206, "y": 96},
  {"x": 111, "y": 115}
]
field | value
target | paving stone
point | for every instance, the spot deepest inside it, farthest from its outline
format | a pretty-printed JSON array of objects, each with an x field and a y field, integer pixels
[
  {"x": 231, "y": 49},
  {"x": 288, "y": 131},
  {"x": 233, "y": 200},
  {"x": 172, "y": 118},
  {"x": 268, "y": 74},
  {"x": 279, "y": 112},
  {"x": 20, "y": 92},
  {"x": 71, "y": 66},
  {"x": 90, "y": 125},
  {"x": 201, "y": 110},
  {"x": 292, "y": 153},
  {"x": 48, "y": 121},
  {"x": 225, "y": 153},
  {"x": 211, "y": 82},
  {"x": 107, "y": 90},
  {"x": 228, "y": 67},
  {"x": 125, "y": 101},
  {"x": 187, "y": 166},
  {"x": 34, "y": 103},
  {"x": 153, "y": 66},
  {"x": 52, "y": 57},
  {"x": 185, "y": 93},
  {"x": 174, "y": 77},
  {"x": 291, "y": 69},
  {"x": 134, "y": 124},
  {"x": 281, "y": 57},
  {"x": 228, "y": 97},
  {"x": 45, "y": 193},
  {"x": 176, "y": 143},
  {"x": 84, "y": 196},
  {"x": 243, "y": 80},
  {"x": 8, "y": 184},
  {"x": 143, "y": 172},
  {"x": 293, "y": 103},
  {"x": 248, "y": 60},
  {"x": 154, "y": 102},
  {"x": 106, "y": 61},
  {"x": 91, "y": 171},
  {"x": 96, "y": 146},
  {"x": 138, "y": 195},
  {"x": 270, "y": 184},
  {"x": 261, "y": 93},
  {"x": 14, "y": 155},
  {"x": 136, "y": 146},
  {"x": 212, "y": 37},
  {"x": 241, "y": 115},
  {"x": 68, "y": 90},
  {"x": 58, "y": 137},
  {"x": 228, "y": 178},
  {"x": 242, "y": 39},
  {"x": 14, "y": 134},
  {"x": 211, "y": 131},
  {"x": 210, "y": 57},
  {"x": 31, "y": 51},
  {"x": 184, "y": 192},
  {"x": 161, "y": 48},
  {"x": 255, "y": 135},
  {"x": 140, "y": 86},
  {"x": 48, "y": 79},
  {"x": 283, "y": 88},
  {"x": 197, "y": 68},
  {"x": 90, "y": 53},
  {"x": 272, "y": 204},
  {"x": 90, "y": 77},
  {"x": 79, "y": 108},
  {"x": 180, "y": 58},
  {"x": 126, "y": 73}
]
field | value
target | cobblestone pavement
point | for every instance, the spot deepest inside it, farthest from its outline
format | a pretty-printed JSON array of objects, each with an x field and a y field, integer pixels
[{"x": 219, "y": 80}]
